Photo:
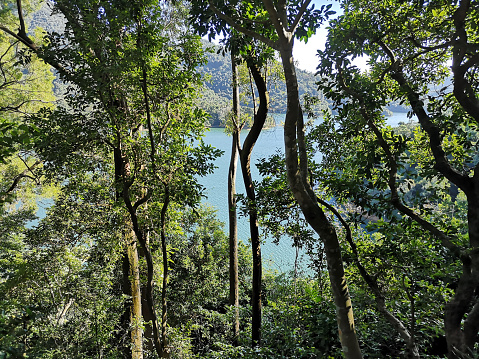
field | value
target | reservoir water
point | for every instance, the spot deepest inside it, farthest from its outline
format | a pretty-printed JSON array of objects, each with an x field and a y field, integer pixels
[{"x": 279, "y": 257}]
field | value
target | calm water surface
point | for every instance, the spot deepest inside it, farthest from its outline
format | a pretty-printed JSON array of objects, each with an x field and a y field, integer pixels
[
  {"x": 276, "y": 257},
  {"x": 279, "y": 257}
]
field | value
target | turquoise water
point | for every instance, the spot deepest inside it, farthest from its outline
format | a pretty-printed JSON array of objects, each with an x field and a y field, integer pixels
[
  {"x": 282, "y": 256},
  {"x": 279, "y": 257}
]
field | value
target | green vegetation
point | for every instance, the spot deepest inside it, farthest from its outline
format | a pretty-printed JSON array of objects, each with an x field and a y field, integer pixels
[
  {"x": 105, "y": 248},
  {"x": 216, "y": 99}
]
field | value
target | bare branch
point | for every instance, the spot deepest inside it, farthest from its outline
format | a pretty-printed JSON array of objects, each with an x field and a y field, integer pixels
[
  {"x": 18, "y": 178},
  {"x": 24, "y": 40}
]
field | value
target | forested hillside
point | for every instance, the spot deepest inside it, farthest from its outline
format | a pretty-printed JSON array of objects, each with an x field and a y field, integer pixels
[
  {"x": 218, "y": 96},
  {"x": 106, "y": 248}
]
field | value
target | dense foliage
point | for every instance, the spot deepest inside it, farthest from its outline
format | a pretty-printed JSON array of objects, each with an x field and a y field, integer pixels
[{"x": 105, "y": 248}]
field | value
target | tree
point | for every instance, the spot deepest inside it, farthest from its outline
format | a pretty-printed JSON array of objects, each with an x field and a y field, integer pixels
[
  {"x": 410, "y": 53},
  {"x": 55, "y": 302},
  {"x": 130, "y": 99},
  {"x": 199, "y": 279},
  {"x": 245, "y": 158},
  {"x": 232, "y": 213},
  {"x": 255, "y": 57},
  {"x": 277, "y": 28}
]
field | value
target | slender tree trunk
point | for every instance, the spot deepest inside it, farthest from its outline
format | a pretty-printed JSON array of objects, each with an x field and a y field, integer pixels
[
  {"x": 297, "y": 173},
  {"x": 148, "y": 317},
  {"x": 245, "y": 157},
  {"x": 140, "y": 236},
  {"x": 135, "y": 312},
  {"x": 160, "y": 342},
  {"x": 125, "y": 319},
  {"x": 232, "y": 216},
  {"x": 164, "y": 311},
  {"x": 132, "y": 314}
]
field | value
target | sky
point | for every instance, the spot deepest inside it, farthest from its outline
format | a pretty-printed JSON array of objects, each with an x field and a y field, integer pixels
[{"x": 305, "y": 54}]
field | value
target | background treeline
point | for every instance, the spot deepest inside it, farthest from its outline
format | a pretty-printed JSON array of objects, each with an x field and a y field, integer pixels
[
  {"x": 218, "y": 90},
  {"x": 102, "y": 124},
  {"x": 217, "y": 96}
]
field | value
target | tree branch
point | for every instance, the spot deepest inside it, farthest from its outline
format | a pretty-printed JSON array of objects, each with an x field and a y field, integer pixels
[
  {"x": 230, "y": 21},
  {"x": 442, "y": 164},
  {"x": 22, "y": 31},
  {"x": 24, "y": 40},
  {"x": 463, "y": 90},
  {"x": 429, "y": 48},
  {"x": 299, "y": 16},
  {"x": 279, "y": 23},
  {"x": 372, "y": 283},
  {"x": 19, "y": 177},
  {"x": 393, "y": 167}
]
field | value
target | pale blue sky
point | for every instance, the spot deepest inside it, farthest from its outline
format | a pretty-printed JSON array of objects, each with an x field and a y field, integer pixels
[{"x": 305, "y": 54}]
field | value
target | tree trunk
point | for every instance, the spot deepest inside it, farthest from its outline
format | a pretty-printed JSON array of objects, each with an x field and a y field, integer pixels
[
  {"x": 140, "y": 236},
  {"x": 131, "y": 312},
  {"x": 164, "y": 308},
  {"x": 232, "y": 216},
  {"x": 395, "y": 322},
  {"x": 125, "y": 319},
  {"x": 245, "y": 157},
  {"x": 297, "y": 173},
  {"x": 461, "y": 340},
  {"x": 135, "y": 312},
  {"x": 148, "y": 317}
]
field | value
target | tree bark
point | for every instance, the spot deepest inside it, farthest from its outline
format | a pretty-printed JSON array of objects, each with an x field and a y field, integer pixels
[
  {"x": 164, "y": 251},
  {"x": 245, "y": 158},
  {"x": 135, "y": 312},
  {"x": 460, "y": 340},
  {"x": 395, "y": 322},
  {"x": 129, "y": 288},
  {"x": 232, "y": 215},
  {"x": 140, "y": 236},
  {"x": 297, "y": 173}
]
